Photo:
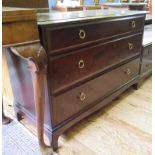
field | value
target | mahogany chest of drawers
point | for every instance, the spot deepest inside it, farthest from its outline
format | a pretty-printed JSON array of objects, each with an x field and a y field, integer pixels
[{"x": 92, "y": 57}]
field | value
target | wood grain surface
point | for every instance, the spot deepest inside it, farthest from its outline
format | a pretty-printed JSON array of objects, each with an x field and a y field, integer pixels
[
  {"x": 26, "y": 3},
  {"x": 121, "y": 128}
]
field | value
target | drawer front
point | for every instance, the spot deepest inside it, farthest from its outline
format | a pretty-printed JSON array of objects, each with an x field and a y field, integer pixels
[
  {"x": 75, "y": 35},
  {"x": 71, "y": 102},
  {"x": 70, "y": 69},
  {"x": 146, "y": 59}
]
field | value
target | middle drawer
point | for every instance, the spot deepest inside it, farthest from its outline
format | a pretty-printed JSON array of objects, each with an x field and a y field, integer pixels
[{"x": 71, "y": 68}]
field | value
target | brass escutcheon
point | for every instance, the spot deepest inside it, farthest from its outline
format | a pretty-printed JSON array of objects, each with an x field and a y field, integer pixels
[
  {"x": 82, "y": 34},
  {"x": 81, "y": 64},
  {"x": 133, "y": 23},
  {"x": 82, "y": 96},
  {"x": 130, "y": 46},
  {"x": 128, "y": 71}
]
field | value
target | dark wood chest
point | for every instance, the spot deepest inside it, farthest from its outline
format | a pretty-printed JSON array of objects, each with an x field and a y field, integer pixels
[{"x": 90, "y": 62}]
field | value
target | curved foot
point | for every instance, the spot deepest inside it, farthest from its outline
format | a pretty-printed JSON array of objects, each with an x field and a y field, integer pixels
[
  {"x": 6, "y": 120},
  {"x": 46, "y": 150},
  {"x": 137, "y": 85},
  {"x": 18, "y": 112},
  {"x": 54, "y": 143},
  {"x": 19, "y": 116}
]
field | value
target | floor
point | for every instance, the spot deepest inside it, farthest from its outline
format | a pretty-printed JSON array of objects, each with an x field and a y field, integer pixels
[
  {"x": 121, "y": 128},
  {"x": 17, "y": 140}
]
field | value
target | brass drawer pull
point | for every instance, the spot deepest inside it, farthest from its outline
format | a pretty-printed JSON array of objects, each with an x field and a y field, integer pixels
[
  {"x": 128, "y": 71},
  {"x": 81, "y": 64},
  {"x": 82, "y": 96},
  {"x": 130, "y": 46},
  {"x": 82, "y": 34},
  {"x": 133, "y": 24}
]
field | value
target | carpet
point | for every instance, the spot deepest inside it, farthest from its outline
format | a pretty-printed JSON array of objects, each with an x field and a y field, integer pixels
[{"x": 17, "y": 140}]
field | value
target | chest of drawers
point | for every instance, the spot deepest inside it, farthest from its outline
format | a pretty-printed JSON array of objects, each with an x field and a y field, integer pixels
[{"x": 90, "y": 61}]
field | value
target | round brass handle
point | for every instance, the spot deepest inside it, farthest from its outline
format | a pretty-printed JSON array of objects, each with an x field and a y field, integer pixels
[
  {"x": 133, "y": 24},
  {"x": 81, "y": 64},
  {"x": 82, "y": 34},
  {"x": 130, "y": 46},
  {"x": 82, "y": 96},
  {"x": 128, "y": 71}
]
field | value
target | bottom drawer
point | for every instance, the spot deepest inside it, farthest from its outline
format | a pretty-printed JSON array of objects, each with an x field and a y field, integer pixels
[
  {"x": 146, "y": 59},
  {"x": 71, "y": 102}
]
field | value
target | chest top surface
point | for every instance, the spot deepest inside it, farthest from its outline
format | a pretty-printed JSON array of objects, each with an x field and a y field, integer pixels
[{"x": 54, "y": 17}]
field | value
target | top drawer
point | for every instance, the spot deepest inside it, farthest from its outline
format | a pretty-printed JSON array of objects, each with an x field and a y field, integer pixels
[{"x": 73, "y": 35}]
